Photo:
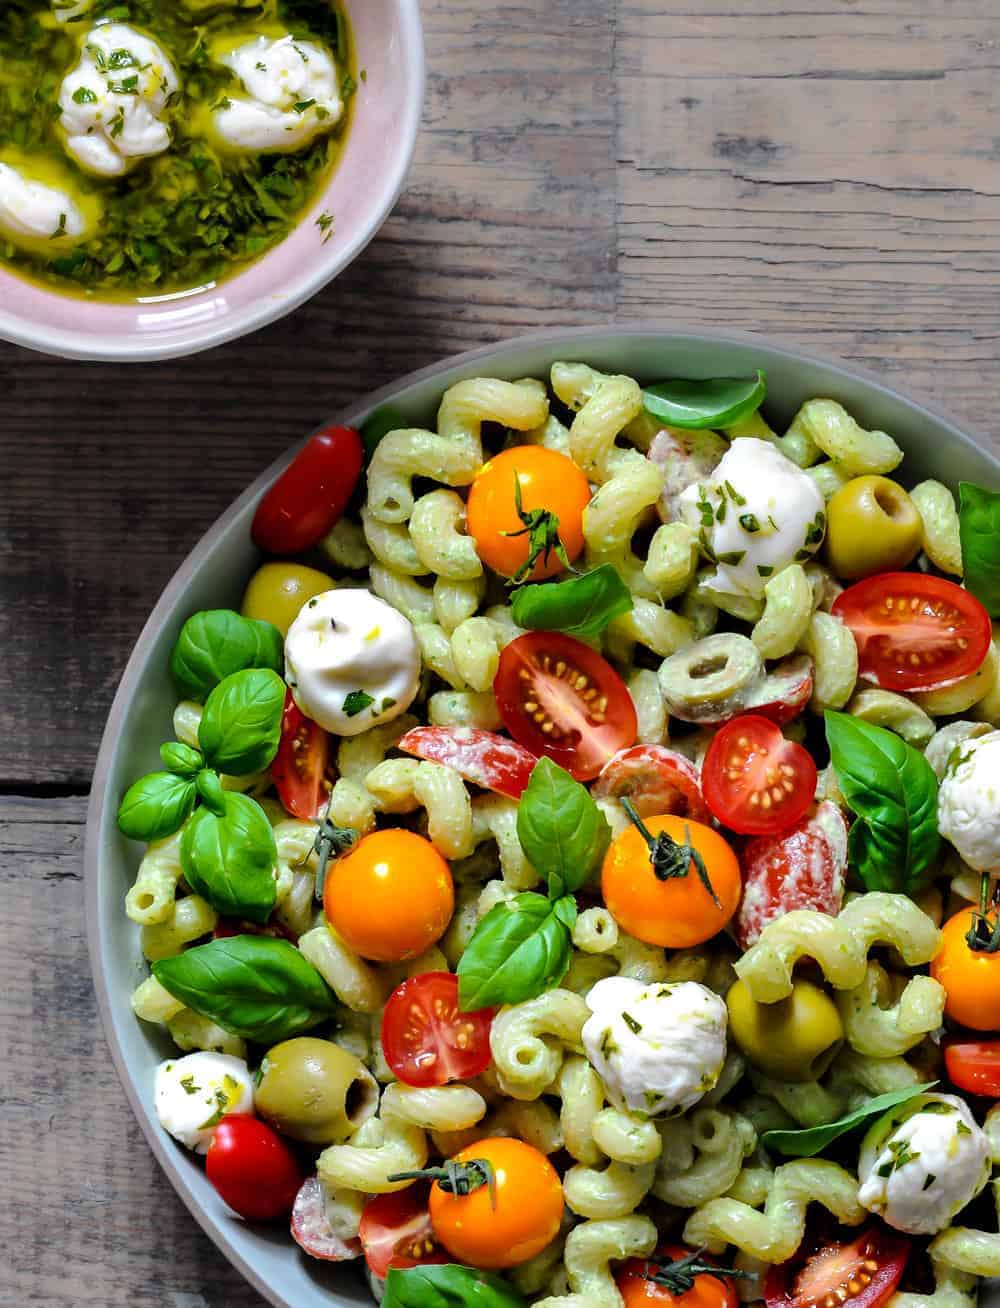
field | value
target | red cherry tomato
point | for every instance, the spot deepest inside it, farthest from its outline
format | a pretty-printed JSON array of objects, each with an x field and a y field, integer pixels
[
  {"x": 427, "y": 1038},
  {"x": 755, "y": 781},
  {"x": 874, "y": 1262},
  {"x": 974, "y": 1066},
  {"x": 801, "y": 868},
  {"x": 252, "y": 1168},
  {"x": 558, "y": 697},
  {"x": 482, "y": 757},
  {"x": 311, "y": 1229},
  {"x": 302, "y": 768},
  {"x": 637, "y": 1286},
  {"x": 311, "y": 494},
  {"x": 914, "y": 632},
  {"x": 785, "y": 691},
  {"x": 396, "y": 1231},
  {"x": 656, "y": 780}
]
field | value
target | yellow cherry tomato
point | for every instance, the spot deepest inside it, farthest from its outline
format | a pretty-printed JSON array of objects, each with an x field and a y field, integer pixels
[
  {"x": 872, "y": 525},
  {"x": 278, "y": 590},
  {"x": 675, "y": 911},
  {"x": 391, "y": 897},
  {"x": 795, "y": 1039},
  {"x": 550, "y": 483},
  {"x": 971, "y": 977},
  {"x": 517, "y": 1221}
]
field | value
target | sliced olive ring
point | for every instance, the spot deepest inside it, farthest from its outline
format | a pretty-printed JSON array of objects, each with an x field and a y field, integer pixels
[{"x": 712, "y": 679}]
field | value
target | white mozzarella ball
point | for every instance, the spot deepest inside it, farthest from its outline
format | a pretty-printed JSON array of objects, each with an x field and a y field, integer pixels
[
  {"x": 292, "y": 95},
  {"x": 969, "y": 801},
  {"x": 192, "y": 1095}
]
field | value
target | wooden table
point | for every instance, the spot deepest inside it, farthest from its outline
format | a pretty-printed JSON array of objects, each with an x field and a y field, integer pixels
[{"x": 831, "y": 175}]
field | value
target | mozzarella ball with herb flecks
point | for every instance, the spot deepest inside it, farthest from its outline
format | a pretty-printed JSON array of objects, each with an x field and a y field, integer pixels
[
  {"x": 922, "y": 1163},
  {"x": 34, "y": 210},
  {"x": 192, "y": 1095},
  {"x": 658, "y": 1048},
  {"x": 351, "y": 661},
  {"x": 969, "y": 802},
  {"x": 293, "y": 95},
  {"x": 757, "y": 513}
]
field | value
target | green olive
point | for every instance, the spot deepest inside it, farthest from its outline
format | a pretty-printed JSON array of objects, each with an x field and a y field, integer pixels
[
  {"x": 712, "y": 679},
  {"x": 872, "y": 525},
  {"x": 795, "y": 1039},
  {"x": 278, "y": 590},
  {"x": 315, "y": 1091}
]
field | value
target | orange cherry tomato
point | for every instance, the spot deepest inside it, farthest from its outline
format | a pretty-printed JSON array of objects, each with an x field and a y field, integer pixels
[
  {"x": 391, "y": 897},
  {"x": 521, "y": 1218},
  {"x": 637, "y": 1286},
  {"x": 679, "y": 911},
  {"x": 970, "y": 977},
  {"x": 549, "y": 483}
]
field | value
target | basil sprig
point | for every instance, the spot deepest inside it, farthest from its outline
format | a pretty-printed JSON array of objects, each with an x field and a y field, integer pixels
[
  {"x": 979, "y": 529},
  {"x": 241, "y": 725},
  {"x": 561, "y": 829},
  {"x": 254, "y": 986},
  {"x": 892, "y": 790},
  {"x": 520, "y": 949},
  {"x": 215, "y": 643},
  {"x": 228, "y": 857},
  {"x": 581, "y": 606},
  {"x": 156, "y": 805},
  {"x": 811, "y": 1140},
  {"x": 448, "y": 1285},
  {"x": 714, "y": 402}
]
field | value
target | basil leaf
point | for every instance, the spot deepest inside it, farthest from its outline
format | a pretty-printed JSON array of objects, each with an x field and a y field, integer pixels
[
  {"x": 241, "y": 725},
  {"x": 582, "y": 606},
  {"x": 448, "y": 1285},
  {"x": 155, "y": 806},
  {"x": 517, "y": 951},
  {"x": 254, "y": 986},
  {"x": 813, "y": 1139},
  {"x": 181, "y": 759},
  {"x": 379, "y": 424},
  {"x": 215, "y": 643},
  {"x": 711, "y": 403},
  {"x": 892, "y": 789},
  {"x": 560, "y": 828},
  {"x": 979, "y": 529},
  {"x": 229, "y": 858}
]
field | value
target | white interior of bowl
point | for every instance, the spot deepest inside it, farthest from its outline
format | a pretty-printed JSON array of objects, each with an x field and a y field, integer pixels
[{"x": 215, "y": 573}]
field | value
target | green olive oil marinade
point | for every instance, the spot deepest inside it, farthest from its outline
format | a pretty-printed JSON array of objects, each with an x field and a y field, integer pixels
[{"x": 196, "y": 213}]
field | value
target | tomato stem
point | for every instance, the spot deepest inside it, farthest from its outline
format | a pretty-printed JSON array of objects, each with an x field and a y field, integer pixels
[
  {"x": 456, "y": 1178},
  {"x": 983, "y": 937},
  {"x": 331, "y": 841},
  {"x": 678, "y": 1276},
  {"x": 670, "y": 858},
  {"x": 542, "y": 529}
]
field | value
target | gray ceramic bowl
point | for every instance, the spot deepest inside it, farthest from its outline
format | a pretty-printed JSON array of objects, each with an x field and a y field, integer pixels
[{"x": 215, "y": 573}]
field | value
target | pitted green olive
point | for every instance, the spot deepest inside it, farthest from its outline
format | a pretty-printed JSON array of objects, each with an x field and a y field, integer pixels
[
  {"x": 872, "y": 526},
  {"x": 796, "y": 1039},
  {"x": 711, "y": 679},
  {"x": 315, "y": 1091}
]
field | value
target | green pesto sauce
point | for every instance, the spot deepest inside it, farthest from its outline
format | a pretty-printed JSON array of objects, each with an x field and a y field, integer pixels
[{"x": 194, "y": 214}]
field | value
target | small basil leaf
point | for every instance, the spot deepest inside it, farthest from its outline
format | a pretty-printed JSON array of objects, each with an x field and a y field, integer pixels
[
  {"x": 814, "y": 1139},
  {"x": 519, "y": 949},
  {"x": 892, "y": 790},
  {"x": 448, "y": 1285},
  {"x": 181, "y": 759},
  {"x": 979, "y": 529},
  {"x": 209, "y": 787},
  {"x": 155, "y": 806},
  {"x": 582, "y": 606},
  {"x": 229, "y": 858},
  {"x": 560, "y": 828},
  {"x": 379, "y": 424},
  {"x": 241, "y": 725},
  {"x": 217, "y": 642},
  {"x": 718, "y": 402},
  {"x": 254, "y": 986}
]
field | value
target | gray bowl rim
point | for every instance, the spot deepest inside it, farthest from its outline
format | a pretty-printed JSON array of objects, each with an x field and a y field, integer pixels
[{"x": 101, "y": 802}]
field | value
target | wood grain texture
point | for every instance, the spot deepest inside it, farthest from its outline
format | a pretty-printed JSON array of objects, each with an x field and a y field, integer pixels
[{"x": 827, "y": 172}]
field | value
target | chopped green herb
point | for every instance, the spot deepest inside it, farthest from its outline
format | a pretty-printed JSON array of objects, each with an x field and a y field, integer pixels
[
  {"x": 84, "y": 95},
  {"x": 356, "y": 701},
  {"x": 733, "y": 558},
  {"x": 736, "y": 498},
  {"x": 931, "y": 1178},
  {"x": 631, "y": 1023},
  {"x": 325, "y": 224},
  {"x": 764, "y": 569},
  {"x": 188, "y": 1085},
  {"x": 749, "y": 522}
]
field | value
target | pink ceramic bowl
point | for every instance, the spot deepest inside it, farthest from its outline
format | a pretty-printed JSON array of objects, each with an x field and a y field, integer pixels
[{"x": 362, "y": 190}]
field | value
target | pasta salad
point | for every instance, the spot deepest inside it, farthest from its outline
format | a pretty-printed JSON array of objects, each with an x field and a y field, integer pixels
[{"x": 572, "y": 880}]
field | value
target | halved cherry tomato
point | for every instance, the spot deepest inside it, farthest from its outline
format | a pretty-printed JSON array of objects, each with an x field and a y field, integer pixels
[
  {"x": 755, "y": 781},
  {"x": 971, "y": 977},
  {"x": 974, "y": 1066},
  {"x": 861, "y": 1274},
  {"x": 801, "y": 868},
  {"x": 311, "y": 494},
  {"x": 506, "y": 1223},
  {"x": 482, "y": 757},
  {"x": 785, "y": 691},
  {"x": 914, "y": 631},
  {"x": 558, "y": 697},
  {"x": 311, "y": 1229},
  {"x": 550, "y": 484},
  {"x": 656, "y": 780},
  {"x": 426, "y": 1037},
  {"x": 637, "y": 1286},
  {"x": 252, "y": 1168},
  {"x": 396, "y": 1231},
  {"x": 302, "y": 768}
]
